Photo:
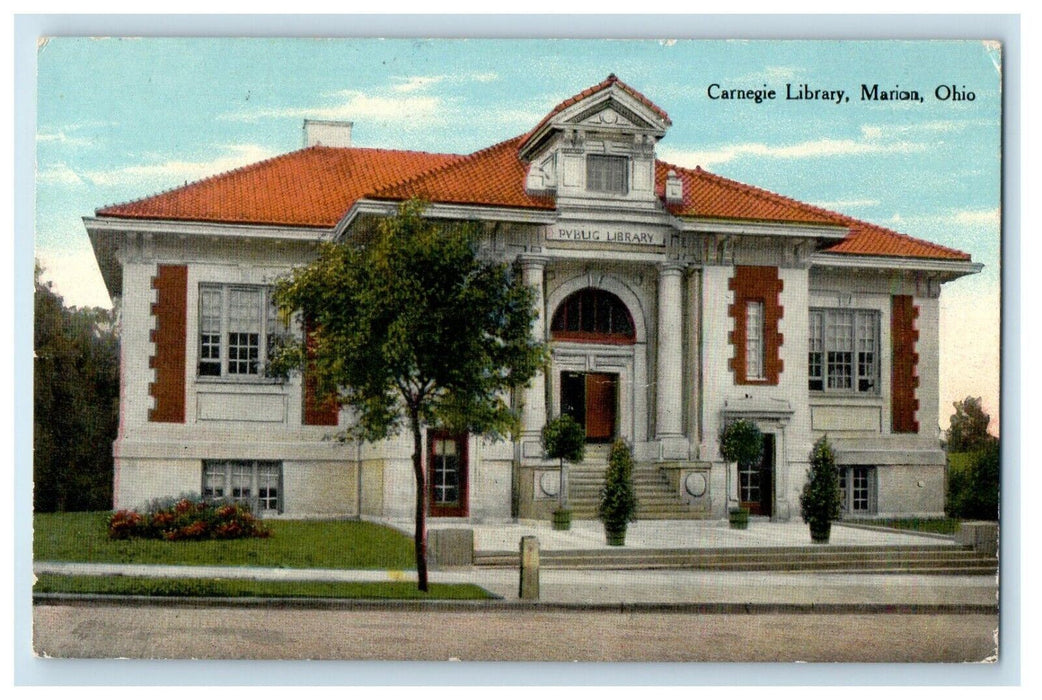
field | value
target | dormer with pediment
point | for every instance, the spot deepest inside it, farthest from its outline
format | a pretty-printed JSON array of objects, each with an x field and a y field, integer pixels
[{"x": 597, "y": 149}]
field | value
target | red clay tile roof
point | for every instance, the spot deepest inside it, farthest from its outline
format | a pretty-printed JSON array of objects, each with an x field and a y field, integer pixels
[
  {"x": 494, "y": 176},
  {"x": 603, "y": 85},
  {"x": 312, "y": 187},
  {"x": 717, "y": 197},
  {"x": 315, "y": 187}
]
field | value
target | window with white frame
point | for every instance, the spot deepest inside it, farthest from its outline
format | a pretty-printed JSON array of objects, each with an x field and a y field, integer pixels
[
  {"x": 857, "y": 487},
  {"x": 843, "y": 351},
  {"x": 239, "y": 328},
  {"x": 607, "y": 174},
  {"x": 257, "y": 483},
  {"x": 754, "y": 340}
]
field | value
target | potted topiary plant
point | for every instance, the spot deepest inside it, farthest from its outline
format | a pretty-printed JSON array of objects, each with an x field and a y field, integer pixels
[
  {"x": 564, "y": 439},
  {"x": 820, "y": 499},
  {"x": 618, "y": 505},
  {"x": 741, "y": 442}
]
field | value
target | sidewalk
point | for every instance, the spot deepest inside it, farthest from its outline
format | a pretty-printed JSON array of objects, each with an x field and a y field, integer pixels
[
  {"x": 671, "y": 534},
  {"x": 644, "y": 587}
]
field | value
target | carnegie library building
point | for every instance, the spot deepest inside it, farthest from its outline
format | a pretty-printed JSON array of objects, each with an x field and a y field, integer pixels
[{"x": 672, "y": 301}]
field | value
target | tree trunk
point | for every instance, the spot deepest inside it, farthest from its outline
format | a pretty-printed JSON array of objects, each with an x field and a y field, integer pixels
[{"x": 420, "y": 536}]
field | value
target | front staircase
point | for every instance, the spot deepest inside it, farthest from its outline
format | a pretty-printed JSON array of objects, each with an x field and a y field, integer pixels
[
  {"x": 941, "y": 559},
  {"x": 656, "y": 500}
]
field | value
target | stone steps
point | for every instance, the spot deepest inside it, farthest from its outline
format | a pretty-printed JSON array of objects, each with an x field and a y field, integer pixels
[
  {"x": 655, "y": 498},
  {"x": 932, "y": 560}
]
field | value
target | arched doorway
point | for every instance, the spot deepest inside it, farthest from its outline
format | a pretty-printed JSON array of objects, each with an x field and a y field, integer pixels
[{"x": 594, "y": 316}]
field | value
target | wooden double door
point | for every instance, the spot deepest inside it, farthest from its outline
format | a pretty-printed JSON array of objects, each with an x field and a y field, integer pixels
[{"x": 592, "y": 399}]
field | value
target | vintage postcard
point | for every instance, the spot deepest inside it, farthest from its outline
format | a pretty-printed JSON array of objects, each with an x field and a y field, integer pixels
[{"x": 522, "y": 350}]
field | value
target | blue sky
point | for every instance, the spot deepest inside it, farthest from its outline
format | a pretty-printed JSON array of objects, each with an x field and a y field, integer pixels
[{"x": 119, "y": 119}]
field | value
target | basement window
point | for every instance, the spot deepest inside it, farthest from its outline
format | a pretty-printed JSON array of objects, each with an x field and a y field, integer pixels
[
  {"x": 857, "y": 486},
  {"x": 254, "y": 482}
]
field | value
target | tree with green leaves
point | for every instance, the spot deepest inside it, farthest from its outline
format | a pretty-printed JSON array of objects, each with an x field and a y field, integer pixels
[
  {"x": 968, "y": 430},
  {"x": 75, "y": 403},
  {"x": 409, "y": 329},
  {"x": 564, "y": 439}
]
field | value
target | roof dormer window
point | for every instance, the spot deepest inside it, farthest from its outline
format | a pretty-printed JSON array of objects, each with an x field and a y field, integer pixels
[{"x": 607, "y": 174}]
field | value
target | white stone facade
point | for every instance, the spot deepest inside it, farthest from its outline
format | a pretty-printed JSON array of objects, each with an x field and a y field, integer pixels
[{"x": 673, "y": 381}]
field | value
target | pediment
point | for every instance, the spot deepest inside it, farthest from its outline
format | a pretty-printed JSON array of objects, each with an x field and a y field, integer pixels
[
  {"x": 765, "y": 409},
  {"x": 610, "y": 114}
]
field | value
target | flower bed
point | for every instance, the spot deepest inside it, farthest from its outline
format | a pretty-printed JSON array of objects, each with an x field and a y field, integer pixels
[{"x": 187, "y": 519}]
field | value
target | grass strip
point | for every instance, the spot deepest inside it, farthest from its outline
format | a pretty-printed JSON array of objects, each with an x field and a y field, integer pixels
[
  {"x": 940, "y": 526},
  {"x": 237, "y": 588},
  {"x": 303, "y": 544}
]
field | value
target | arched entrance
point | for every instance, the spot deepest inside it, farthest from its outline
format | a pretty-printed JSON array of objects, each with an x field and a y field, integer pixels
[{"x": 590, "y": 394}]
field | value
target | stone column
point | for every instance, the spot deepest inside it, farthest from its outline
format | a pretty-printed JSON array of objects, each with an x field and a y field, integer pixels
[
  {"x": 669, "y": 380},
  {"x": 533, "y": 413}
]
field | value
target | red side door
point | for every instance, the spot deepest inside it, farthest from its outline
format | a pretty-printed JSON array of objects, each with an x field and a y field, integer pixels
[{"x": 447, "y": 486}]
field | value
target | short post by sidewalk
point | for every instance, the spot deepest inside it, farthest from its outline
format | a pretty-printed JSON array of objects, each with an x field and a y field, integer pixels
[{"x": 529, "y": 589}]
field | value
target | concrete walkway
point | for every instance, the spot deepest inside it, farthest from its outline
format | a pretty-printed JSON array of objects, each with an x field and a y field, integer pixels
[
  {"x": 571, "y": 587},
  {"x": 669, "y": 534}
]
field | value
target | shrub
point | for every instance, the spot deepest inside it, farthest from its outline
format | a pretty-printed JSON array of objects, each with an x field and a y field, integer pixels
[
  {"x": 820, "y": 500},
  {"x": 973, "y": 483},
  {"x": 741, "y": 442},
  {"x": 618, "y": 501},
  {"x": 187, "y": 518},
  {"x": 564, "y": 439}
]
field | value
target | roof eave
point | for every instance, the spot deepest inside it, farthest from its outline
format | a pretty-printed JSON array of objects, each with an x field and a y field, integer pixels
[
  {"x": 446, "y": 210},
  {"x": 753, "y": 227},
  {"x": 948, "y": 268}
]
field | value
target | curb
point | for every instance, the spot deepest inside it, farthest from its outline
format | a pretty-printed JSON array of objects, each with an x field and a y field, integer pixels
[{"x": 521, "y": 605}]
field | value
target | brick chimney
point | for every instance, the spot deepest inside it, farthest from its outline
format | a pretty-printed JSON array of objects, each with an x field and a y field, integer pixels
[{"x": 322, "y": 132}]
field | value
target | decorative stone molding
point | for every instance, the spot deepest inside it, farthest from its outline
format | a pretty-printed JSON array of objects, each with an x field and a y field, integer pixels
[
  {"x": 756, "y": 284},
  {"x": 170, "y": 314},
  {"x": 904, "y": 361}
]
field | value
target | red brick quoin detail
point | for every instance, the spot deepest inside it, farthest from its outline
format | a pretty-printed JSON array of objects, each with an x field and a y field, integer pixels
[
  {"x": 317, "y": 412},
  {"x": 756, "y": 284},
  {"x": 169, "y": 311},
  {"x": 903, "y": 379}
]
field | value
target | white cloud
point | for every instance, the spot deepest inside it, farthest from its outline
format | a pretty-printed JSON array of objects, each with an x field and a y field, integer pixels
[
  {"x": 970, "y": 350},
  {"x": 355, "y": 105},
  {"x": 847, "y": 203},
  {"x": 61, "y": 137},
  {"x": 880, "y": 131},
  {"x": 417, "y": 82},
  {"x": 770, "y": 75},
  {"x": 970, "y": 218},
  {"x": 75, "y": 277},
  {"x": 977, "y": 217},
  {"x": 58, "y": 174},
  {"x": 172, "y": 172},
  {"x": 407, "y": 102},
  {"x": 820, "y": 148}
]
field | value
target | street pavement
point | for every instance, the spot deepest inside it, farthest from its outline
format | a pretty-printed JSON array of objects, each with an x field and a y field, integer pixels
[{"x": 581, "y": 615}]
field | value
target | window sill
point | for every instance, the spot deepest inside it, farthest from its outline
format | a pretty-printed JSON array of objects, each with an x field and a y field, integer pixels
[
  {"x": 258, "y": 382},
  {"x": 817, "y": 397}
]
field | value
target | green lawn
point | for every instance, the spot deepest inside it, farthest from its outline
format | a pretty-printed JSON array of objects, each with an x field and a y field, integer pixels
[
  {"x": 233, "y": 588},
  {"x": 334, "y": 544},
  {"x": 941, "y": 526}
]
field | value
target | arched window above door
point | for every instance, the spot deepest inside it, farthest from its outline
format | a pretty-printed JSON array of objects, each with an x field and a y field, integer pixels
[{"x": 593, "y": 316}]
